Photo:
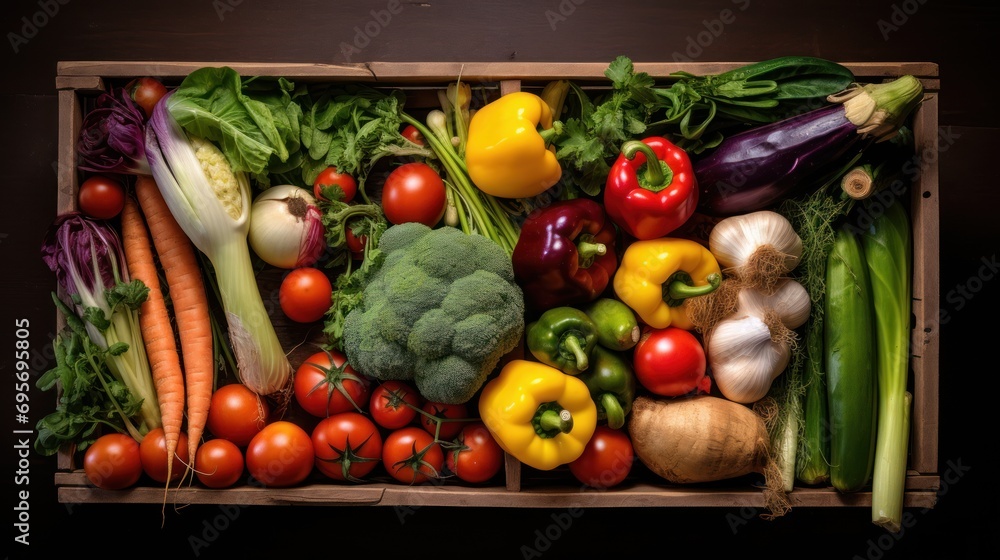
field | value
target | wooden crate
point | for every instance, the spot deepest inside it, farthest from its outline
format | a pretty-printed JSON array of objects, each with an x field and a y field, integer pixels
[{"x": 78, "y": 81}]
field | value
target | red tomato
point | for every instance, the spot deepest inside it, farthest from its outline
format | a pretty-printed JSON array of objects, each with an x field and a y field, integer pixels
[
  {"x": 101, "y": 197},
  {"x": 305, "y": 294},
  {"x": 670, "y": 362},
  {"x": 219, "y": 463},
  {"x": 237, "y": 413},
  {"x": 411, "y": 133},
  {"x": 113, "y": 462},
  {"x": 280, "y": 455},
  {"x": 414, "y": 192},
  {"x": 607, "y": 459},
  {"x": 478, "y": 457},
  {"x": 348, "y": 446},
  {"x": 355, "y": 244},
  {"x": 146, "y": 92},
  {"x": 330, "y": 178},
  {"x": 325, "y": 384},
  {"x": 441, "y": 410},
  {"x": 153, "y": 453},
  {"x": 412, "y": 456},
  {"x": 394, "y": 404}
]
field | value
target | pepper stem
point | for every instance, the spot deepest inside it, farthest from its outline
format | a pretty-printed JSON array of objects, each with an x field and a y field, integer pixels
[
  {"x": 549, "y": 135},
  {"x": 587, "y": 251},
  {"x": 572, "y": 344},
  {"x": 678, "y": 287},
  {"x": 613, "y": 410},
  {"x": 657, "y": 173},
  {"x": 552, "y": 420}
]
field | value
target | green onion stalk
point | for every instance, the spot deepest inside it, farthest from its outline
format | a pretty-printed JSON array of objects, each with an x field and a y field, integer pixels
[{"x": 477, "y": 212}]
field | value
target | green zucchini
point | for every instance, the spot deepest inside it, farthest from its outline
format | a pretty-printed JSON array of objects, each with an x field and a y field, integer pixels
[{"x": 850, "y": 359}]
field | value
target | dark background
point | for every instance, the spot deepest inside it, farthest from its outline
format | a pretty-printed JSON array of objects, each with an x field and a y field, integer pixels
[{"x": 959, "y": 36}]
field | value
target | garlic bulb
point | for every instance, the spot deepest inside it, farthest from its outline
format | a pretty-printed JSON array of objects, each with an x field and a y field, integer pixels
[
  {"x": 789, "y": 300},
  {"x": 744, "y": 358},
  {"x": 758, "y": 247},
  {"x": 749, "y": 349}
]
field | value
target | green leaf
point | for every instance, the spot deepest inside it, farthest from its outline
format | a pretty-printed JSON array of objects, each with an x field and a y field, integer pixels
[
  {"x": 131, "y": 295},
  {"x": 96, "y": 317},
  {"x": 210, "y": 102}
]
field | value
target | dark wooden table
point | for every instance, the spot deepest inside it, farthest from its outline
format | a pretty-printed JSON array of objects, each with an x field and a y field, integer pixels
[{"x": 959, "y": 36}]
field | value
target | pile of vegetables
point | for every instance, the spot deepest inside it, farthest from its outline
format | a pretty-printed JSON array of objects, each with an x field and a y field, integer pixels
[{"x": 517, "y": 274}]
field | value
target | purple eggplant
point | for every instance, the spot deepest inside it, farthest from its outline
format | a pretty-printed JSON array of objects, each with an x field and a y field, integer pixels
[{"x": 764, "y": 165}]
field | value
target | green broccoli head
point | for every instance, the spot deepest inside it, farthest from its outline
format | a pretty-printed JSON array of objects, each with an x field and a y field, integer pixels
[{"x": 441, "y": 310}]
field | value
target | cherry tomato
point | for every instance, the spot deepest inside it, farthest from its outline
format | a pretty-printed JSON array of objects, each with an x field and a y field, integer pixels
[
  {"x": 280, "y": 455},
  {"x": 146, "y": 92},
  {"x": 606, "y": 460},
  {"x": 348, "y": 446},
  {"x": 388, "y": 405},
  {"x": 670, "y": 362},
  {"x": 411, "y": 133},
  {"x": 414, "y": 192},
  {"x": 329, "y": 178},
  {"x": 441, "y": 410},
  {"x": 478, "y": 457},
  {"x": 113, "y": 462},
  {"x": 325, "y": 384},
  {"x": 355, "y": 243},
  {"x": 237, "y": 413},
  {"x": 101, "y": 197},
  {"x": 219, "y": 463},
  {"x": 412, "y": 456},
  {"x": 153, "y": 453},
  {"x": 305, "y": 294}
]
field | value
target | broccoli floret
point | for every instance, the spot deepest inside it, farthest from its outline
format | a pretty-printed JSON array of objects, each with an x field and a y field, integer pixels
[{"x": 441, "y": 310}]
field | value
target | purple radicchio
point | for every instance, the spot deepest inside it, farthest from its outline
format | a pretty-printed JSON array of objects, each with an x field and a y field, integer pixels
[{"x": 112, "y": 138}]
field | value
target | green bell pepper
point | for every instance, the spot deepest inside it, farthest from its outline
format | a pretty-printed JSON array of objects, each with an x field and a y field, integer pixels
[
  {"x": 611, "y": 381},
  {"x": 563, "y": 337}
]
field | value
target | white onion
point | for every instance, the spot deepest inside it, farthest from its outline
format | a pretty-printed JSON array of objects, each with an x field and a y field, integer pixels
[{"x": 286, "y": 227}]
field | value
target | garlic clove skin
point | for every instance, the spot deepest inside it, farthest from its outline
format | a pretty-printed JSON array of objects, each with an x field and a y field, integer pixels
[
  {"x": 737, "y": 240},
  {"x": 744, "y": 361},
  {"x": 790, "y": 301}
]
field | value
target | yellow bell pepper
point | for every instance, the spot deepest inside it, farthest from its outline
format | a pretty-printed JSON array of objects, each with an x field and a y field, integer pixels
[
  {"x": 507, "y": 156},
  {"x": 538, "y": 414},
  {"x": 656, "y": 276}
]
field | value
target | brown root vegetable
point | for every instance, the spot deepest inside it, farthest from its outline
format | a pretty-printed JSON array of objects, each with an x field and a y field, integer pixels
[{"x": 704, "y": 439}]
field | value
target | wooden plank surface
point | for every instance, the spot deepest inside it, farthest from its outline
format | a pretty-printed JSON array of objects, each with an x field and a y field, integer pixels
[
  {"x": 926, "y": 339},
  {"x": 380, "y": 494}
]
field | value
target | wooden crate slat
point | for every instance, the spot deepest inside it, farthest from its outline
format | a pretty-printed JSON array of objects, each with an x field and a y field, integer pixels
[
  {"x": 925, "y": 342},
  {"x": 380, "y": 494},
  {"x": 444, "y": 71}
]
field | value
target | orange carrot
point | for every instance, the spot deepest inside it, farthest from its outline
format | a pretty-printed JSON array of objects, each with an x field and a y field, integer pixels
[
  {"x": 157, "y": 330},
  {"x": 191, "y": 308}
]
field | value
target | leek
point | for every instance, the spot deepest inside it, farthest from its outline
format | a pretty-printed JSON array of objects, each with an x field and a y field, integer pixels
[
  {"x": 212, "y": 203},
  {"x": 887, "y": 244}
]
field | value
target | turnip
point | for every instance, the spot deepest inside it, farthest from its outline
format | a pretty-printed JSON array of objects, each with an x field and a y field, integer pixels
[{"x": 705, "y": 439}]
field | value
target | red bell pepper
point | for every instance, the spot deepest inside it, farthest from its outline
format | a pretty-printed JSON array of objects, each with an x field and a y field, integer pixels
[
  {"x": 651, "y": 189},
  {"x": 565, "y": 254}
]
